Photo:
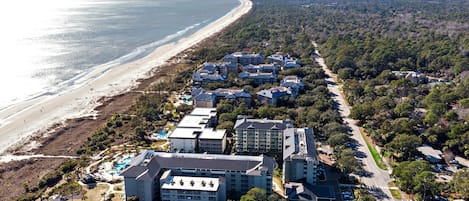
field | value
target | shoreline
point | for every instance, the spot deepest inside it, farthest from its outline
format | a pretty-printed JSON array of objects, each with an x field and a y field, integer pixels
[{"x": 22, "y": 123}]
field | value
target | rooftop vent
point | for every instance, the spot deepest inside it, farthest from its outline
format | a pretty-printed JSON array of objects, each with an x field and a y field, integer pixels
[
  {"x": 192, "y": 182},
  {"x": 203, "y": 183},
  {"x": 211, "y": 184},
  {"x": 181, "y": 182}
]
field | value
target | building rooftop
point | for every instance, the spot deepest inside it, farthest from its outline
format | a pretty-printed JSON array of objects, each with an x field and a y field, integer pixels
[
  {"x": 210, "y": 134},
  {"x": 299, "y": 191},
  {"x": 245, "y": 123},
  {"x": 211, "y": 112},
  {"x": 232, "y": 92},
  {"x": 148, "y": 163},
  {"x": 429, "y": 151},
  {"x": 274, "y": 92},
  {"x": 189, "y": 183},
  {"x": 299, "y": 143},
  {"x": 185, "y": 133},
  {"x": 192, "y": 121},
  {"x": 245, "y": 75}
]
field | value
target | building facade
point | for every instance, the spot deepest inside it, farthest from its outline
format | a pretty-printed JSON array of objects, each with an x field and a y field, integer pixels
[
  {"x": 244, "y": 58},
  {"x": 203, "y": 98},
  {"x": 143, "y": 176},
  {"x": 300, "y": 161},
  {"x": 259, "y": 135},
  {"x": 195, "y": 128},
  {"x": 273, "y": 95},
  {"x": 185, "y": 188}
]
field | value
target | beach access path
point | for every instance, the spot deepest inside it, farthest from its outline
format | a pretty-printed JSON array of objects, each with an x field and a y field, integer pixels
[{"x": 18, "y": 123}]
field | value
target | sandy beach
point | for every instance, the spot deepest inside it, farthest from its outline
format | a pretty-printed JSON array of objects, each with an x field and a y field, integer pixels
[{"x": 20, "y": 122}]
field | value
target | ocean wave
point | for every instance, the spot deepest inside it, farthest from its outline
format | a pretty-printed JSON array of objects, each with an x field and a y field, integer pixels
[
  {"x": 92, "y": 73},
  {"x": 137, "y": 53}
]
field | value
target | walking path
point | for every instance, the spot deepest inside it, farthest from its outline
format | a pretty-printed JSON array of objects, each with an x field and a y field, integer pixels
[{"x": 9, "y": 158}]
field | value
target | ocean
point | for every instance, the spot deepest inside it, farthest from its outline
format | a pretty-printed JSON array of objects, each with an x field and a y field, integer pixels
[{"x": 48, "y": 46}]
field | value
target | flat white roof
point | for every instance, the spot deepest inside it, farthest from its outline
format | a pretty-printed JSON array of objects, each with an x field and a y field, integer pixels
[
  {"x": 429, "y": 151},
  {"x": 191, "y": 183},
  {"x": 211, "y": 134},
  {"x": 187, "y": 133},
  {"x": 191, "y": 121},
  {"x": 204, "y": 111}
]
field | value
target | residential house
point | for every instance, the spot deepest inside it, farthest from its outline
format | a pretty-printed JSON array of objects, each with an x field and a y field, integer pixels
[
  {"x": 273, "y": 95},
  {"x": 294, "y": 83},
  {"x": 431, "y": 155},
  {"x": 286, "y": 62},
  {"x": 147, "y": 178}
]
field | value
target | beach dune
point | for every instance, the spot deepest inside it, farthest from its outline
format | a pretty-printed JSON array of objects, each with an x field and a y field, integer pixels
[{"x": 18, "y": 123}]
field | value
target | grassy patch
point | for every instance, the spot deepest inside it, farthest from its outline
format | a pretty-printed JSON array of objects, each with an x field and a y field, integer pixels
[
  {"x": 376, "y": 156},
  {"x": 374, "y": 153},
  {"x": 396, "y": 194},
  {"x": 96, "y": 193}
]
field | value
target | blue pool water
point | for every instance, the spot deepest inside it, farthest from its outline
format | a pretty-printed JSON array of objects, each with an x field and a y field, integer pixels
[
  {"x": 162, "y": 134},
  {"x": 187, "y": 99},
  {"x": 120, "y": 166}
]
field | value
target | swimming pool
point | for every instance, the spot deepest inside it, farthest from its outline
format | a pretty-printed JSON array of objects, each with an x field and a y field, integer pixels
[
  {"x": 118, "y": 167},
  {"x": 162, "y": 134},
  {"x": 187, "y": 99}
]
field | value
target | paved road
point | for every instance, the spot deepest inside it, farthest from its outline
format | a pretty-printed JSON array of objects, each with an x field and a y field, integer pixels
[{"x": 377, "y": 179}]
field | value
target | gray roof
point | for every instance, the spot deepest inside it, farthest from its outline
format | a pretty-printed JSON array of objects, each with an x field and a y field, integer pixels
[
  {"x": 274, "y": 92},
  {"x": 204, "y": 97},
  {"x": 161, "y": 160},
  {"x": 246, "y": 75},
  {"x": 300, "y": 191},
  {"x": 229, "y": 93},
  {"x": 299, "y": 143},
  {"x": 263, "y": 124}
]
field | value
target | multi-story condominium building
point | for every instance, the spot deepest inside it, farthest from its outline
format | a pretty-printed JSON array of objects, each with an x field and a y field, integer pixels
[
  {"x": 286, "y": 62},
  {"x": 200, "y": 123},
  {"x": 259, "y": 78},
  {"x": 261, "y": 68},
  {"x": 203, "y": 98},
  {"x": 300, "y": 161},
  {"x": 271, "y": 96},
  {"x": 143, "y": 177},
  {"x": 244, "y": 58},
  {"x": 259, "y": 135},
  {"x": 213, "y": 72},
  {"x": 212, "y": 141},
  {"x": 182, "y": 188}
]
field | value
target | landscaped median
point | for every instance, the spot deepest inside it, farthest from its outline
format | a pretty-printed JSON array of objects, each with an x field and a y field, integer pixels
[{"x": 374, "y": 153}]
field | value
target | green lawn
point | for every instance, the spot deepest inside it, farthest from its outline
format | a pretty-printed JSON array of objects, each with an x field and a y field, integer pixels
[
  {"x": 396, "y": 194},
  {"x": 376, "y": 156}
]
